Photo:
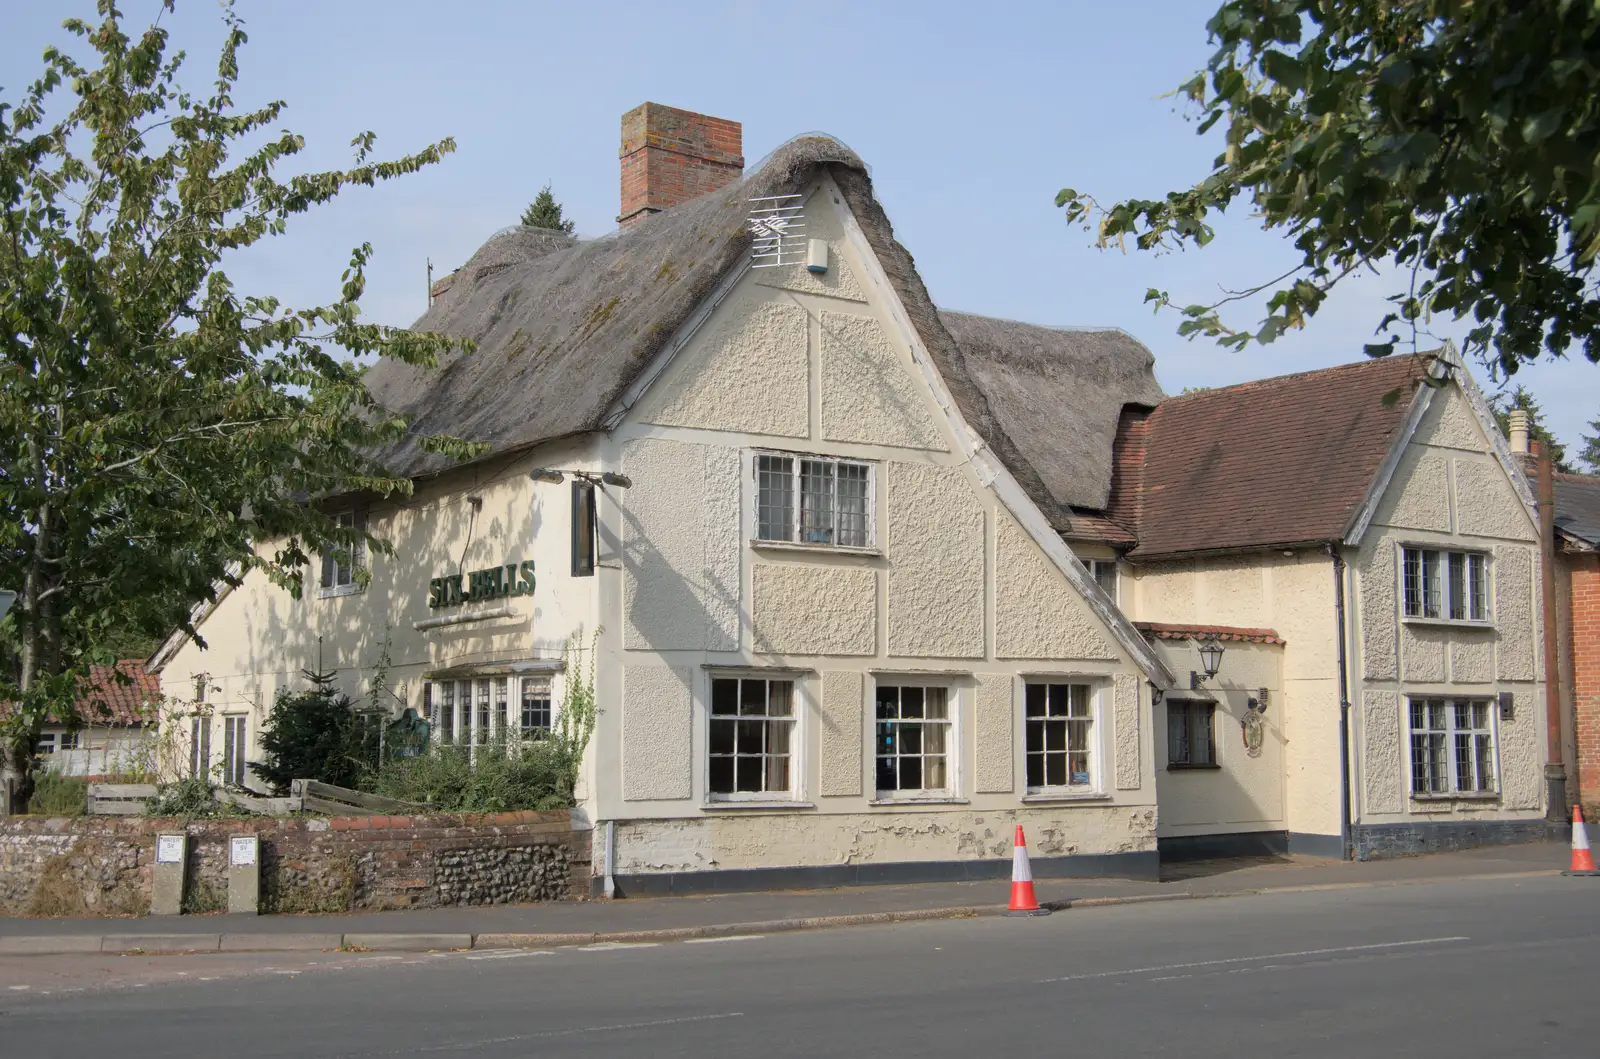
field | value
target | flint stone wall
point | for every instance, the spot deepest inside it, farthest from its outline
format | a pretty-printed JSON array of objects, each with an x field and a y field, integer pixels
[{"x": 101, "y": 865}]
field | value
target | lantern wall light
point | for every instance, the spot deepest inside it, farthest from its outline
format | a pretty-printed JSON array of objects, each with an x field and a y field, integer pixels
[{"x": 1210, "y": 661}]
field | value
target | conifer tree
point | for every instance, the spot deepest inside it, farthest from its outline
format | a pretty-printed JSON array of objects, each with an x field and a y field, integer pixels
[{"x": 545, "y": 212}]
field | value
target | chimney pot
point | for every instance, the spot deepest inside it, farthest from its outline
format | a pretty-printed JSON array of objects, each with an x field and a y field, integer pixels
[
  {"x": 1518, "y": 424},
  {"x": 671, "y": 156}
]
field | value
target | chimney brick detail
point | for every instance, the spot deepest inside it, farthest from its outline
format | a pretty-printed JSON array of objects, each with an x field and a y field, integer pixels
[{"x": 671, "y": 156}]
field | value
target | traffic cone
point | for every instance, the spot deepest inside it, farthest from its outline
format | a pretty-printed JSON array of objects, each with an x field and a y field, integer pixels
[
  {"x": 1023, "y": 901},
  {"x": 1582, "y": 859}
]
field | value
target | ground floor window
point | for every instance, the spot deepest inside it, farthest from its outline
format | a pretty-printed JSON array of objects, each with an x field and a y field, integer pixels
[
  {"x": 1452, "y": 746},
  {"x": 1189, "y": 730},
  {"x": 480, "y": 711},
  {"x": 233, "y": 751},
  {"x": 750, "y": 734},
  {"x": 199, "y": 747},
  {"x": 536, "y": 711},
  {"x": 913, "y": 739},
  {"x": 1058, "y": 735}
]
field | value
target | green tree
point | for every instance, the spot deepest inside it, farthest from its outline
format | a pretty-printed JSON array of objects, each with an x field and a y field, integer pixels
[
  {"x": 1453, "y": 139},
  {"x": 545, "y": 212},
  {"x": 1504, "y": 403},
  {"x": 161, "y": 430},
  {"x": 317, "y": 735},
  {"x": 1590, "y": 456}
]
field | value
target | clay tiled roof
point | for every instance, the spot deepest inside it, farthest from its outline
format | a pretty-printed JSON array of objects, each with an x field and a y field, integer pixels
[
  {"x": 1279, "y": 462},
  {"x": 1157, "y": 630},
  {"x": 109, "y": 701}
]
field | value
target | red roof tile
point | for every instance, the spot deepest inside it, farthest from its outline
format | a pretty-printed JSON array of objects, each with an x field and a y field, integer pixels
[
  {"x": 107, "y": 700},
  {"x": 1158, "y": 630},
  {"x": 1278, "y": 462}
]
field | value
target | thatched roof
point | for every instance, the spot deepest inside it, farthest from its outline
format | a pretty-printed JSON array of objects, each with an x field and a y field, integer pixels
[
  {"x": 1057, "y": 394},
  {"x": 563, "y": 328}
]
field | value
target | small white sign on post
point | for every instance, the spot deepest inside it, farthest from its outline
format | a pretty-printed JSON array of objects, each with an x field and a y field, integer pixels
[
  {"x": 169, "y": 849},
  {"x": 242, "y": 851}
]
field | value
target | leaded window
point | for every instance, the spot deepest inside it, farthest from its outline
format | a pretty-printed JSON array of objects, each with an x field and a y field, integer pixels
[
  {"x": 1452, "y": 746},
  {"x": 1445, "y": 584},
  {"x": 813, "y": 500}
]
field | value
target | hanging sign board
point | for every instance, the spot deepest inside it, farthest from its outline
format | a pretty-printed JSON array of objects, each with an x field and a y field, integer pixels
[{"x": 496, "y": 582}]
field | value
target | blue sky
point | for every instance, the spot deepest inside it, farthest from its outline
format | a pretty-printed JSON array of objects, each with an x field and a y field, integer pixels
[{"x": 971, "y": 117}]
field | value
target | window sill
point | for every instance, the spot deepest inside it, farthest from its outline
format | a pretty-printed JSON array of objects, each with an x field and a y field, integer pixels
[
  {"x": 339, "y": 590},
  {"x": 1451, "y": 623},
  {"x": 941, "y": 799},
  {"x": 1055, "y": 797},
  {"x": 1458, "y": 796},
  {"x": 768, "y": 804},
  {"x": 1194, "y": 768},
  {"x": 826, "y": 549}
]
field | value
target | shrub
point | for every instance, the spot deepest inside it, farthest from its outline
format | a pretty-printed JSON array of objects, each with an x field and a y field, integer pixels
[
  {"x": 504, "y": 777},
  {"x": 191, "y": 799},
  {"x": 58, "y": 795},
  {"x": 315, "y": 735}
]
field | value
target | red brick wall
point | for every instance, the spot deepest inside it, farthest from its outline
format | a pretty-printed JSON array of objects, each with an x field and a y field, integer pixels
[
  {"x": 671, "y": 156},
  {"x": 1585, "y": 574}
]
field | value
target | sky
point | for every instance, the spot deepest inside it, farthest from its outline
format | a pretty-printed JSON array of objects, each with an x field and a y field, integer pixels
[{"x": 971, "y": 117}]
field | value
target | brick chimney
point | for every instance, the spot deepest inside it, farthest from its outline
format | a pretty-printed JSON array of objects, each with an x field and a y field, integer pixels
[{"x": 671, "y": 156}]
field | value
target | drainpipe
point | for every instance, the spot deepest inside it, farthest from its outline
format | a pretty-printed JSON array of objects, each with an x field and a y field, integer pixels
[
  {"x": 611, "y": 858},
  {"x": 1344, "y": 703},
  {"x": 1555, "y": 770}
]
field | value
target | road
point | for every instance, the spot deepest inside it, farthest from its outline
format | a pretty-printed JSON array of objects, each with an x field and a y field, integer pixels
[{"x": 1477, "y": 967}]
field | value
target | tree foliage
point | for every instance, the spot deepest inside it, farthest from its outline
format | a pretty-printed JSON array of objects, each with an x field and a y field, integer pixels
[
  {"x": 315, "y": 734},
  {"x": 1590, "y": 454},
  {"x": 545, "y": 212},
  {"x": 160, "y": 429},
  {"x": 1456, "y": 139},
  {"x": 1520, "y": 398}
]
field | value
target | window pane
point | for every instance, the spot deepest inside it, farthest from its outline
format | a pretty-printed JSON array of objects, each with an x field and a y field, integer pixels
[
  {"x": 887, "y": 779},
  {"x": 933, "y": 775},
  {"x": 1177, "y": 733},
  {"x": 752, "y": 698},
  {"x": 1478, "y": 587},
  {"x": 774, "y": 498},
  {"x": 748, "y": 774},
  {"x": 725, "y": 696},
  {"x": 1035, "y": 770},
  {"x": 1055, "y": 770},
  {"x": 1201, "y": 717},
  {"x": 1060, "y": 695},
  {"x": 1080, "y": 700},
  {"x": 1413, "y": 582},
  {"x": 1458, "y": 585},
  {"x": 780, "y": 698},
  {"x": 816, "y": 501},
  {"x": 1432, "y": 586},
  {"x": 1033, "y": 697},
  {"x": 888, "y": 703},
  {"x": 911, "y": 702},
  {"x": 1485, "y": 753},
  {"x": 1105, "y": 575},
  {"x": 852, "y": 504},
  {"x": 721, "y": 775},
  {"x": 935, "y": 702}
]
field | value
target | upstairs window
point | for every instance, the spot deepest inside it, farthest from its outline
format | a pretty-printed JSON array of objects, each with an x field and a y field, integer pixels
[
  {"x": 813, "y": 500},
  {"x": 1104, "y": 572},
  {"x": 1447, "y": 585},
  {"x": 339, "y": 565}
]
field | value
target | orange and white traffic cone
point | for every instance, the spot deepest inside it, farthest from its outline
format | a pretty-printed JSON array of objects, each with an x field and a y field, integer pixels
[
  {"x": 1023, "y": 901},
  {"x": 1582, "y": 859}
]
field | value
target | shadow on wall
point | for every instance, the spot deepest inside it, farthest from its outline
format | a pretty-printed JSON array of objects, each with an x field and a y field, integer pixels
[{"x": 278, "y": 637}]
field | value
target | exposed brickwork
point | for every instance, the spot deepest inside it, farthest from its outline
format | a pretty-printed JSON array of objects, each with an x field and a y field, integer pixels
[
  {"x": 1584, "y": 570},
  {"x": 1125, "y": 505},
  {"x": 101, "y": 865},
  {"x": 671, "y": 156}
]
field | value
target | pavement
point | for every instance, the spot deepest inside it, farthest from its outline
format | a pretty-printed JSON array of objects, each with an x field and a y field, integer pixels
[
  {"x": 1489, "y": 964},
  {"x": 636, "y": 920}
]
